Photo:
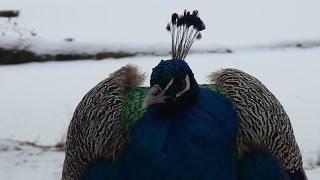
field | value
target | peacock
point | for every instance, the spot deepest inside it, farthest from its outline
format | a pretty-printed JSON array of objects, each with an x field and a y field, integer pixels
[{"x": 231, "y": 128}]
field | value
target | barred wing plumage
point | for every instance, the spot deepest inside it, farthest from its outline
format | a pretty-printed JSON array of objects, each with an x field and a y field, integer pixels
[
  {"x": 96, "y": 130},
  {"x": 264, "y": 123}
]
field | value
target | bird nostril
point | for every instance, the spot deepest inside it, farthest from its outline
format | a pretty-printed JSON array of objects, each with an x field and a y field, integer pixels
[{"x": 156, "y": 91}]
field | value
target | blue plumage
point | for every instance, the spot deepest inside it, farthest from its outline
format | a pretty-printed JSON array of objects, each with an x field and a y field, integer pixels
[
  {"x": 195, "y": 143},
  {"x": 258, "y": 165},
  {"x": 102, "y": 169}
]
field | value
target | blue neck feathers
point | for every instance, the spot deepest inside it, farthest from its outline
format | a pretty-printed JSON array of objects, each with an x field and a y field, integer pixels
[{"x": 194, "y": 143}]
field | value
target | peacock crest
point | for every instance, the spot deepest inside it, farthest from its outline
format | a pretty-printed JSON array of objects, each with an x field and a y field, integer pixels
[{"x": 184, "y": 29}]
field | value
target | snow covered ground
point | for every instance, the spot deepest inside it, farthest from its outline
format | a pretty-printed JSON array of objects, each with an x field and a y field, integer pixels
[
  {"x": 37, "y": 100},
  {"x": 21, "y": 161}
]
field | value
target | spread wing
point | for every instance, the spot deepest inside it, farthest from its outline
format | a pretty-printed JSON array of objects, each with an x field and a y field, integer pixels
[
  {"x": 264, "y": 123},
  {"x": 100, "y": 122}
]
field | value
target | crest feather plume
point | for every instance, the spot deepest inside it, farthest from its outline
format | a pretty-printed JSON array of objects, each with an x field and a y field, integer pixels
[{"x": 184, "y": 29}]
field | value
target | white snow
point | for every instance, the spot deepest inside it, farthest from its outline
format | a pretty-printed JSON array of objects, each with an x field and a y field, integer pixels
[
  {"x": 37, "y": 100},
  {"x": 20, "y": 161}
]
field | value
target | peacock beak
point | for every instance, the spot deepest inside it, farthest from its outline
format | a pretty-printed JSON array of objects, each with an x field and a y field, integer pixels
[{"x": 155, "y": 96}]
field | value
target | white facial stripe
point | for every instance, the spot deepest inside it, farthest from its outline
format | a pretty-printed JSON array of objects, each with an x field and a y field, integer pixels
[
  {"x": 185, "y": 89},
  {"x": 168, "y": 85}
]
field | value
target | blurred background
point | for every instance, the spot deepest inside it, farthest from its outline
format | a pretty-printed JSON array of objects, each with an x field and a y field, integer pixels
[{"x": 53, "y": 52}]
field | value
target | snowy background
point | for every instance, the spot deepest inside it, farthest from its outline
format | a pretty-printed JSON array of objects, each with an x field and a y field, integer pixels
[{"x": 37, "y": 100}]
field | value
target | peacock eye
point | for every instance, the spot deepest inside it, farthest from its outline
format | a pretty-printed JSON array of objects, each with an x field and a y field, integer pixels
[{"x": 181, "y": 84}]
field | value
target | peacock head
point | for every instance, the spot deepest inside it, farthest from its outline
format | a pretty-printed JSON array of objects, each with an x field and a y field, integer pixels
[
  {"x": 172, "y": 82},
  {"x": 172, "y": 85}
]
